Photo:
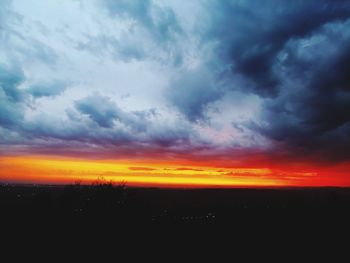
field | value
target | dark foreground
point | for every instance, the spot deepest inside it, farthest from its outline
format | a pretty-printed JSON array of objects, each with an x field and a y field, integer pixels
[
  {"x": 116, "y": 219},
  {"x": 107, "y": 203}
]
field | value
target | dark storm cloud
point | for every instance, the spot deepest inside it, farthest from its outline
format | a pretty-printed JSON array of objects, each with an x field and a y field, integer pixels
[
  {"x": 248, "y": 37},
  {"x": 251, "y": 33},
  {"x": 293, "y": 54},
  {"x": 311, "y": 114}
]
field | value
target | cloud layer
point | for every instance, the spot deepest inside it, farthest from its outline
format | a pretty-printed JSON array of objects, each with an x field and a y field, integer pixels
[{"x": 204, "y": 78}]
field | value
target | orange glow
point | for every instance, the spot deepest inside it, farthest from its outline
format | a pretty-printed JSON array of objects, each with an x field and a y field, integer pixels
[{"x": 50, "y": 170}]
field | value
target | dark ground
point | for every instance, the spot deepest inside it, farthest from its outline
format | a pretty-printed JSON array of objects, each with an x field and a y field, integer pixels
[
  {"x": 151, "y": 205},
  {"x": 88, "y": 219}
]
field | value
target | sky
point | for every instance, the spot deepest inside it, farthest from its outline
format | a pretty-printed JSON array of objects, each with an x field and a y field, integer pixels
[{"x": 175, "y": 93}]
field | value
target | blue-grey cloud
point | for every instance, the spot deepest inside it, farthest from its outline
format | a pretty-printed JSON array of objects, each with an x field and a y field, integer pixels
[
  {"x": 161, "y": 22},
  {"x": 192, "y": 91},
  {"x": 11, "y": 97},
  {"x": 54, "y": 88},
  {"x": 153, "y": 33},
  {"x": 103, "y": 45},
  {"x": 10, "y": 79},
  {"x": 103, "y": 111},
  {"x": 100, "y": 109}
]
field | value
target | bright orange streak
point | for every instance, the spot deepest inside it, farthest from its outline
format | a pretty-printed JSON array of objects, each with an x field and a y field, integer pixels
[{"x": 32, "y": 169}]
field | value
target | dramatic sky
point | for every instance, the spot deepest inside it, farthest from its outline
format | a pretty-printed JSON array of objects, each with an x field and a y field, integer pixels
[{"x": 168, "y": 92}]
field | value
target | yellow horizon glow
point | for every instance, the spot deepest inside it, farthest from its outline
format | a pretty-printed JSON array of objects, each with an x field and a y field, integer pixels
[{"x": 134, "y": 173}]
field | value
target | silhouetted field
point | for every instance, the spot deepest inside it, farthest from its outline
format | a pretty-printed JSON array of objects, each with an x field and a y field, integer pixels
[{"x": 119, "y": 204}]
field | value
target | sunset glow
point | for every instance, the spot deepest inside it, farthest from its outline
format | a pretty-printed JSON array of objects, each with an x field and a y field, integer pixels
[{"x": 45, "y": 170}]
